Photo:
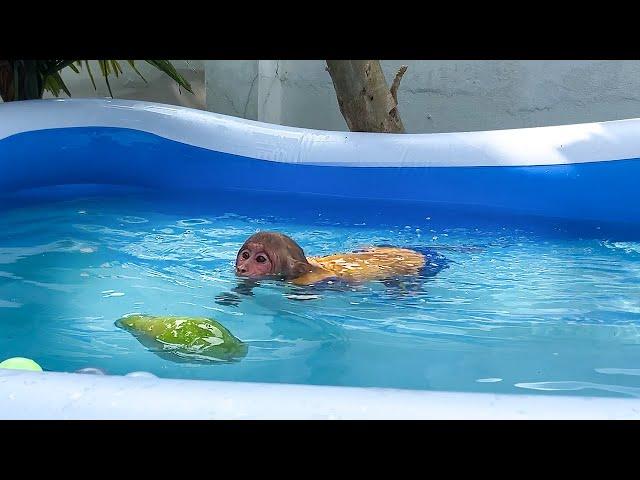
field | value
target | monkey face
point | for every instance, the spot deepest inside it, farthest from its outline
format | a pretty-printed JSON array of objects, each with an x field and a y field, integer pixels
[
  {"x": 253, "y": 261},
  {"x": 271, "y": 254}
]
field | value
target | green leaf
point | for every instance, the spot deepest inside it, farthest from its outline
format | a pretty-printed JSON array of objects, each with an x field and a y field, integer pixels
[
  {"x": 133, "y": 65},
  {"x": 116, "y": 67},
  {"x": 165, "y": 66},
  {"x": 104, "y": 67},
  {"x": 86, "y": 62},
  {"x": 51, "y": 86},
  {"x": 106, "y": 79},
  {"x": 53, "y": 83},
  {"x": 57, "y": 65},
  {"x": 33, "y": 77},
  {"x": 60, "y": 83}
]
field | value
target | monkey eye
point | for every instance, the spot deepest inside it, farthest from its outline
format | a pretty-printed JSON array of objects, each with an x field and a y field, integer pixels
[
  {"x": 245, "y": 255},
  {"x": 261, "y": 259}
]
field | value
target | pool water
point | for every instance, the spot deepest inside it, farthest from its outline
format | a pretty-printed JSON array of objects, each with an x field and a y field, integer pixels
[{"x": 526, "y": 305}]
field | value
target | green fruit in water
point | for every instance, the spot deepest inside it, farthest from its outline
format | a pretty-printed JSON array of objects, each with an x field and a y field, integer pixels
[
  {"x": 184, "y": 338},
  {"x": 20, "y": 363}
]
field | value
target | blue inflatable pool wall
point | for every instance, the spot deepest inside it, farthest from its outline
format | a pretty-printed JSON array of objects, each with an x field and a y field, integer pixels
[
  {"x": 575, "y": 172},
  {"x": 582, "y": 172}
]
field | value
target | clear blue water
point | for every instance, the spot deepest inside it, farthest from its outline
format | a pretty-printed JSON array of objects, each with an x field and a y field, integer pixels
[{"x": 526, "y": 305}]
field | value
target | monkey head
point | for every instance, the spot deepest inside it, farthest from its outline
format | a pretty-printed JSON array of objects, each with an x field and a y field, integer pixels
[{"x": 267, "y": 254}]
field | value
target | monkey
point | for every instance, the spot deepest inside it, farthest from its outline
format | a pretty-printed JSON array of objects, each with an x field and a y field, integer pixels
[
  {"x": 274, "y": 255},
  {"x": 271, "y": 254}
]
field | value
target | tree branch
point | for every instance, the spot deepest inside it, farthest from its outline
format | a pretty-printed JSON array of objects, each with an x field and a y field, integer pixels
[
  {"x": 364, "y": 97},
  {"x": 396, "y": 82}
]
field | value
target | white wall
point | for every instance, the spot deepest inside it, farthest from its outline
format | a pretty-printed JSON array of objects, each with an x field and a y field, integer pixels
[
  {"x": 232, "y": 87},
  {"x": 439, "y": 96}
]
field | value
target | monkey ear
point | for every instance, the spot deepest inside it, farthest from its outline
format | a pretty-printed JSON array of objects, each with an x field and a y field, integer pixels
[{"x": 298, "y": 268}]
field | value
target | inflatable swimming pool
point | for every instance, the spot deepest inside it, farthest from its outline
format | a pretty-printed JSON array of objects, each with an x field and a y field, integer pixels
[{"x": 584, "y": 172}]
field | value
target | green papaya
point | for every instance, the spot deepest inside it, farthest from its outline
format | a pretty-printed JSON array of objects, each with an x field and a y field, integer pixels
[{"x": 186, "y": 339}]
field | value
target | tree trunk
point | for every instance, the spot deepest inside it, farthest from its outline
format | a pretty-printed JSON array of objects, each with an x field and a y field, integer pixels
[
  {"x": 366, "y": 102},
  {"x": 30, "y": 82},
  {"x": 6, "y": 81}
]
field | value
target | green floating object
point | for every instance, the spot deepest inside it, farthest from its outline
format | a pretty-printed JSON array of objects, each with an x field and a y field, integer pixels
[
  {"x": 20, "y": 363},
  {"x": 185, "y": 339}
]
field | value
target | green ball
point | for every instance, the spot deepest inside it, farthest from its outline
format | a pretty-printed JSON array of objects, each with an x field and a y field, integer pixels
[{"x": 20, "y": 363}]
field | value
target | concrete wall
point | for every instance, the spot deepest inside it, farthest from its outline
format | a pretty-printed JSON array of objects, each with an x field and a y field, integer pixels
[
  {"x": 437, "y": 96},
  {"x": 434, "y": 96}
]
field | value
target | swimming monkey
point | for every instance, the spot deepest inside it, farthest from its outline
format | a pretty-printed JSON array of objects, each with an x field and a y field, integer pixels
[
  {"x": 270, "y": 254},
  {"x": 275, "y": 255}
]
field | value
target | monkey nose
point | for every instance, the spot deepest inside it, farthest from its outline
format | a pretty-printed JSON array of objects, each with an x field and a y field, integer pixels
[{"x": 241, "y": 270}]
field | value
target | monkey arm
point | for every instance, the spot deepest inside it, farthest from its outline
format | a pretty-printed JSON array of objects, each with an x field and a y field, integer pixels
[
  {"x": 233, "y": 298},
  {"x": 245, "y": 287},
  {"x": 316, "y": 276}
]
